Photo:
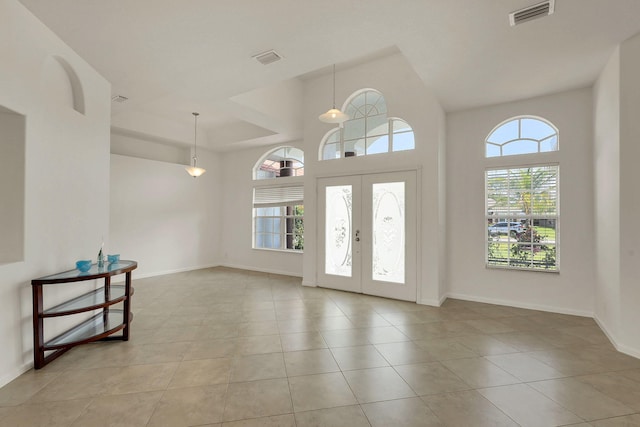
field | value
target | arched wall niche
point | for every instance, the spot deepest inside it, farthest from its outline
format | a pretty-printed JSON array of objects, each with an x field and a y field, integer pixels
[
  {"x": 62, "y": 84},
  {"x": 12, "y": 185}
]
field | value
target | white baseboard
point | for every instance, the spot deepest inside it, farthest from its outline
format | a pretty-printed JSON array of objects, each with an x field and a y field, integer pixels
[
  {"x": 634, "y": 352},
  {"x": 309, "y": 284},
  {"x": 606, "y": 331},
  {"x": 120, "y": 278},
  {"x": 539, "y": 307},
  {"x": 432, "y": 302},
  {"x": 262, "y": 270},
  {"x": 15, "y": 373}
]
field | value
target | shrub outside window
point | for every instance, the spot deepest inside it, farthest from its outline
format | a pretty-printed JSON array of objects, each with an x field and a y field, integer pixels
[{"x": 279, "y": 227}]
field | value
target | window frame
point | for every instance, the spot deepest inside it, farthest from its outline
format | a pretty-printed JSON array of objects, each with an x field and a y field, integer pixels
[
  {"x": 507, "y": 162},
  {"x": 526, "y": 219},
  {"x": 341, "y": 143},
  {"x": 265, "y": 157},
  {"x": 520, "y": 138},
  {"x": 278, "y": 192},
  {"x": 282, "y": 232}
]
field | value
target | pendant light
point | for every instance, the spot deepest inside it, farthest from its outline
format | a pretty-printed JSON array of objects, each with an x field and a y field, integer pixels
[
  {"x": 194, "y": 170},
  {"x": 334, "y": 115}
]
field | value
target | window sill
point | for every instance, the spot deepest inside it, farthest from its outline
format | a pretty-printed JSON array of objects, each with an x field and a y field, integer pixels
[
  {"x": 497, "y": 267},
  {"x": 284, "y": 251}
]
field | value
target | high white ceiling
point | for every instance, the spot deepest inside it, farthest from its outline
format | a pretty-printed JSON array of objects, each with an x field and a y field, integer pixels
[{"x": 173, "y": 57}]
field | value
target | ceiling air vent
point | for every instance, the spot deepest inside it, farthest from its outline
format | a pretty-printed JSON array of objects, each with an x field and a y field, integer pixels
[
  {"x": 532, "y": 12},
  {"x": 267, "y": 57}
]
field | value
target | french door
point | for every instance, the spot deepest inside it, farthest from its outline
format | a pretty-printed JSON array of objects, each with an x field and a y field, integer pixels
[{"x": 367, "y": 234}]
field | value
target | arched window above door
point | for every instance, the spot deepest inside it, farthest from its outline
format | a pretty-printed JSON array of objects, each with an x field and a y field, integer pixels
[{"x": 369, "y": 130}]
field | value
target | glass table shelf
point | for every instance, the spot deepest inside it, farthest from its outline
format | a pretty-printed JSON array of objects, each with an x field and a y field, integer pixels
[
  {"x": 91, "y": 300},
  {"x": 92, "y": 329},
  {"x": 106, "y": 322},
  {"x": 94, "y": 272}
]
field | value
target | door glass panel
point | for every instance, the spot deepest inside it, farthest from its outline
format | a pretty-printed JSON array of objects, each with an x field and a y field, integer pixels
[
  {"x": 388, "y": 232},
  {"x": 338, "y": 250}
]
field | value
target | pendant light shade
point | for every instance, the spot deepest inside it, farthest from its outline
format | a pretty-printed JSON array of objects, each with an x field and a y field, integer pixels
[
  {"x": 334, "y": 115},
  {"x": 194, "y": 170}
]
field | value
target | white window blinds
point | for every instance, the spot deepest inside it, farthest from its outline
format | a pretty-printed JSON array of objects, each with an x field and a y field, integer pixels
[
  {"x": 278, "y": 196},
  {"x": 529, "y": 191}
]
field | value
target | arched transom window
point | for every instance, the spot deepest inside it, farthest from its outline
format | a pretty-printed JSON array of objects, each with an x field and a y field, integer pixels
[
  {"x": 280, "y": 162},
  {"x": 522, "y": 135},
  {"x": 368, "y": 131}
]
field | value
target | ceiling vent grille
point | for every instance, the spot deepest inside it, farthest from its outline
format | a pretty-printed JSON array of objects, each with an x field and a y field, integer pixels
[
  {"x": 532, "y": 12},
  {"x": 268, "y": 57}
]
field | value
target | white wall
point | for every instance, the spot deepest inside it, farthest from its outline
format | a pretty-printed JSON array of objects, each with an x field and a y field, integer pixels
[
  {"x": 407, "y": 98},
  {"x": 276, "y": 108},
  {"x": 131, "y": 146},
  {"x": 66, "y": 175},
  {"x": 237, "y": 204},
  {"x": 156, "y": 127},
  {"x": 617, "y": 196},
  {"x": 12, "y": 149},
  {"x": 571, "y": 290},
  {"x": 442, "y": 206},
  {"x": 630, "y": 195},
  {"x": 606, "y": 160},
  {"x": 163, "y": 218}
]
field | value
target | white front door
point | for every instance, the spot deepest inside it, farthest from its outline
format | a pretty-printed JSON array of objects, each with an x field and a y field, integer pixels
[{"x": 367, "y": 234}]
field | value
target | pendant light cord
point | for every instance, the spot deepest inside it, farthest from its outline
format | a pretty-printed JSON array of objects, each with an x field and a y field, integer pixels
[
  {"x": 195, "y": 138},
  {"x": 334, "y": 86}
]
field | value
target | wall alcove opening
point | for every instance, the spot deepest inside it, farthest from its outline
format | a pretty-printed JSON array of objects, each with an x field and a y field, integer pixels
[{"x": 12, "y": 185}]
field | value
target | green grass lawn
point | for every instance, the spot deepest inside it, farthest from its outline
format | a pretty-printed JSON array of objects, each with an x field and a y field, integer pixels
[
  {"x": 547, "y": 234},
  {"x": 500, "y": 252}
]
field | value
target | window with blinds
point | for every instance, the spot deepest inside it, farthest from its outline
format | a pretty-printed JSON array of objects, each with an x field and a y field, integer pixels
[
  {"x": 522, "y": 202},
  {"x": 277, "y": 196},
  {"x": 522, "y": 217},
  {"x": 278, "y": 218}
]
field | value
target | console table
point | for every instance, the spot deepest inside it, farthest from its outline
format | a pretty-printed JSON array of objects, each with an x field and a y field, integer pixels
[{"x": 100, "y": 326}]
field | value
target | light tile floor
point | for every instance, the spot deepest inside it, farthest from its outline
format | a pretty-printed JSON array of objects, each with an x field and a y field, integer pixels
[{"x": 221, "y": 347}]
